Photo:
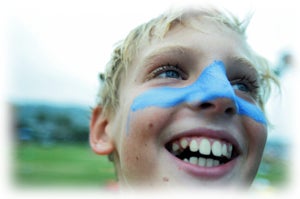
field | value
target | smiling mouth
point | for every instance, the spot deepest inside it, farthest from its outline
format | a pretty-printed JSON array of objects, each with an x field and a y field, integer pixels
[{"x": 202, "y": 151}]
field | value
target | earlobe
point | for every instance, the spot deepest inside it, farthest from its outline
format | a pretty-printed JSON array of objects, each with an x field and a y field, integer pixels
[{"x": 100, "y": 140}]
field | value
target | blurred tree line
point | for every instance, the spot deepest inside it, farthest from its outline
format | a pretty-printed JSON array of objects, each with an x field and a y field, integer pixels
[{"x": 49, "y": 124}]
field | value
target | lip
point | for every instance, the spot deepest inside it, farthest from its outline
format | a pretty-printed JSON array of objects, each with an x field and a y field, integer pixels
[{"x": 207, "y": 172}]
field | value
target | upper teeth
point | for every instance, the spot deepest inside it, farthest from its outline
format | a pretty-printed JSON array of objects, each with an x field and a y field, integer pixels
[
  {"x": 205, "y": 146},
  {"x": 184, "y": 143}
]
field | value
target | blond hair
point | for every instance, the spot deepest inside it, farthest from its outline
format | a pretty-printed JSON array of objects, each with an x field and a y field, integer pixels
[{"x": 126, "y": 50}]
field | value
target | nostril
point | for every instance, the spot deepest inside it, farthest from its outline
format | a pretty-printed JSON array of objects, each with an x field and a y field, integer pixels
[
  {"x": 206, "y": 105},
  {"x": 230, "y": 111},
  {"x": 224, "y": 106}
]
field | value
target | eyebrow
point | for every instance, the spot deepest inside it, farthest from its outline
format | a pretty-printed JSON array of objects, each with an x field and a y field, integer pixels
[
  {"x": 165, "y": 51},
  {"x": 242, "y": 61}
]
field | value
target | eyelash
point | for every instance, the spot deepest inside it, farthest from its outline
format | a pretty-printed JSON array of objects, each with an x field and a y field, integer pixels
[
  {"x": 251, "y": 84},
  {"x": 165, "y": 68}
]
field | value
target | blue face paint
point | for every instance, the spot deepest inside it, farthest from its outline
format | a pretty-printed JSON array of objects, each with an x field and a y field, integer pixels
[{"x": 211, "y": 84}]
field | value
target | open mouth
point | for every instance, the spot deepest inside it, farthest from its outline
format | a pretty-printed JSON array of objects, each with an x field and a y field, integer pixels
[{"x": 202, "y": 151}]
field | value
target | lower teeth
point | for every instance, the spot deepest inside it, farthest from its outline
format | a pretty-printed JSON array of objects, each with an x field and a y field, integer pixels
[{"x": 204, "y": 162}]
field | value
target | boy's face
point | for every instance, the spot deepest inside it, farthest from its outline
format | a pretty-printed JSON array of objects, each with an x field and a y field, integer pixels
[{"x": 178, "y": 124}]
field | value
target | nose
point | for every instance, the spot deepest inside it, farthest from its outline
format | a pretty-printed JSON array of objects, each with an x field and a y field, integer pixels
[{"x": 224, "y": 106}]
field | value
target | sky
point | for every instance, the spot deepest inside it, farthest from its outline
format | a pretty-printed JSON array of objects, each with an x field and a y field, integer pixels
[{"x": 57, "y": 48}]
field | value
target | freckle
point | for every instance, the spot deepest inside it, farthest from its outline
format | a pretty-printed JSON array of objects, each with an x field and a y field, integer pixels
[
  {"x": 137, "y": 158},
  {"x": 165, "y": 179},
  {"x": 150, "y": 125}
]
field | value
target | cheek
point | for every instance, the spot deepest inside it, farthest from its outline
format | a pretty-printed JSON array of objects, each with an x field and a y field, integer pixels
[
  {"x": 141, "y": 149},
  {"x": 149, "y": 124},
  {"x": 257, "y": 136},
  {"x": 256, "y": 140}
]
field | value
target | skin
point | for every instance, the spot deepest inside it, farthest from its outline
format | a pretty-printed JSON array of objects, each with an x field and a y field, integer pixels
[{"x": 138, "y": 139}]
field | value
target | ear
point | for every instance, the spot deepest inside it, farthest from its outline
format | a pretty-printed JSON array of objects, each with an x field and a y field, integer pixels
[{"x": 100, "y": 140}]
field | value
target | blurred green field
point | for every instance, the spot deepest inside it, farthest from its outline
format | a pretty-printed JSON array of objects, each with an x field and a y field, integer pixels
[
  {"x": 274, "y": 171},
  {"x": 76, "y": 165},
  {"x": 60, "y": 164}
]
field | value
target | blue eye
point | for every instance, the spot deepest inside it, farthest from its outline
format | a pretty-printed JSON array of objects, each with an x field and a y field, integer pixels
[
  {"x": 168, "y": 71},
  {"x": 170, "y": 74},
  {"x": 242, "y": 87},
  {"x": 246, "y": 85}
]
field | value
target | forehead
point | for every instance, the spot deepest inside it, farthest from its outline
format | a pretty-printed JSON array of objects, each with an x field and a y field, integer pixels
[{"x": 199, "y": 38}]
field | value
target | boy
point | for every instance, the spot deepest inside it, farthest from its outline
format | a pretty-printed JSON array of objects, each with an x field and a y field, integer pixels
[{"x": 182, "y": 103}]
